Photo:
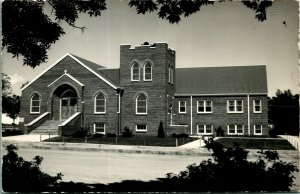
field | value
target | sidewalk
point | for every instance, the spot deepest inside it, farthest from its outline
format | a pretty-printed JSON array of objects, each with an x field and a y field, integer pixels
[{"x": 27, "y": 138}]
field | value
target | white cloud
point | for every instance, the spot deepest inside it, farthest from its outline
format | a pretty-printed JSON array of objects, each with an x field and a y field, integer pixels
[{"x": 16, "y": 78}]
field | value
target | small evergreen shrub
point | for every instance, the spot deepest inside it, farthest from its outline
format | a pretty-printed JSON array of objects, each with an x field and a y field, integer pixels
[
  {"x": 111, "y": 135},
  {"x": 220, "y": 132},
  {"x": 127, "y": 132},
  {"x": 181, "y": 135},
  {"x": 161, "y": 131}
]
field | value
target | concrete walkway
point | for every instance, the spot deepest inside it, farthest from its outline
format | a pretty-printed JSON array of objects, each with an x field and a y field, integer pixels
[
  {"x": 294, "y": 140},
  {"x": 199, "y": 143},
  {"x": 27, "y": 138}
]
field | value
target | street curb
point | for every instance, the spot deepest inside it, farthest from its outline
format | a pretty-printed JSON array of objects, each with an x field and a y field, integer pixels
[{"x": 291, "y": 154}]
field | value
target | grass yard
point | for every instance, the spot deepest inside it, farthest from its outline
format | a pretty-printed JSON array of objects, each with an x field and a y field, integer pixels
[
  {"x": 138, "y": 140},
  {"x": 257, "y": 143}
]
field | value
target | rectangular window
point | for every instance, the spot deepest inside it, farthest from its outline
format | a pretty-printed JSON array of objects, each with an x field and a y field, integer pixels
[
  {"x": 141, "y": 128},
  {"x": 204, "y": 106},
  {"x": 99, "y": 128},
  {"x": 257, "y": 106},
  {"x": 257, "y": 129},
  {"x": 234, "y": 106},
  {"x": 235, "y": 129},
  {"x": 182, "y": 106},
  {"x": 205, "y": 129}
]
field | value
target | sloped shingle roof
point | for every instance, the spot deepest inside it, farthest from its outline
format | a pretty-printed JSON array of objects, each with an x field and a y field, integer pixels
[
  {"x": 110, "y": 74},
  {"x": 221, "y": 80}
]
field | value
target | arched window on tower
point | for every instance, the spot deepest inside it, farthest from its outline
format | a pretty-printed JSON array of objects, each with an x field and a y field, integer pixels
[
  {"x": 35, "y": 104},
  {"x": 100, "y": 103},
  {"x": 148, "y": 71},
  {"x": 141, "y": 104},
  {"x": 135, "y": 72}
]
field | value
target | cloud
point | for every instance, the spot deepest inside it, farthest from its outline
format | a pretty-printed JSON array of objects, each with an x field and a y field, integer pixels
[{"x": 16, "y": 78}]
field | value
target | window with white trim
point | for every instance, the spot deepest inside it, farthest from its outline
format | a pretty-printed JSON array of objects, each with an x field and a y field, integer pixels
[
  {"x": 182, "y": 107},
  {"x": 35, "y": 103},
  {"x": 141, "y": 128},
  {"x": 235, "y": 129},
  {"x": 99, "y": 128},
  {"x": 257, "y": 106},
  {"x": 234, "y": 106},
  {"x": 204, "y": 129},
  {"x": 99, "y": 103},
  {"x": 141, "y": 104},
  {"x": 204, "y": 106},
  {"x": 148, "y": 71},
  {"x": 257, "y": 129},
  {"x": 135, "y": 72}
]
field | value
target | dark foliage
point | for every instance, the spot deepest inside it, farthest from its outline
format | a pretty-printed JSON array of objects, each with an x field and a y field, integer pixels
[
  {"x": 84, "y": 132},
  {"x": 21, "y": 175},
  {"x": 111, "y": 135},
  {"x": 127, "y": 132},
  {"x": 161, "y": 131},
  {"x": 181, "y": 135},
  {"x": 28, "y": 32},
  {"x": 11, "y": 106},
  {"x": 284, "y": 113},
  {"x": 97, "y": 135},
  {"x": 11, "y": 133},
  {"x": 220, "y": 132}
]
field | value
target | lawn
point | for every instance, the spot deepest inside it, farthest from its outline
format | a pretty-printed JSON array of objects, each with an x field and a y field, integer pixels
[
  {"x": 257, "y": 143},
  {"x": 137, "y": 140}
]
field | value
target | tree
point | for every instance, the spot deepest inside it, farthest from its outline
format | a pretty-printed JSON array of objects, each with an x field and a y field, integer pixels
[
  {"x": 28, "y": 32},
  {"x": 161, "y": 131},
  {"x": 21, "y": 175},
  {"x": 11, "y": 106},
  {"x": 284, "y": 112},
  {"x": 6, "y": 85}
]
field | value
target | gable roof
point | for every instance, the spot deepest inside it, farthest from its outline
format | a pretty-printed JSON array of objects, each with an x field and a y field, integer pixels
[
  {"x": 221, "y": 80},
  {"x": 92, "y": 67},
  {"x": 111, "y": 74}
]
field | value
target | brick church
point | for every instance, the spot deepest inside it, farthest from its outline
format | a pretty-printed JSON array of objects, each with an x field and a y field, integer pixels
[{"x": 75, "y": 94}]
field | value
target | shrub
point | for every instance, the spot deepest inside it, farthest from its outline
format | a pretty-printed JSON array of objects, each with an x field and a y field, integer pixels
[
  {"x": 97, "y": 135},
  {"x": 229, "y": 171},
  {"x": 82, "y": 133},
  {"x": 111, "y": 135},
  {"x": 21, "y": 175},
  {"x": 127, "y": 132},
  {"x": 220, "y": 132},
  {"x": 161, "y": 131},
  {"x": 181, "y": 135}
]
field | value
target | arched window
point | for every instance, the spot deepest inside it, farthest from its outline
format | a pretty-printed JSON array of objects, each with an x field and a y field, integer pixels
[
  {"x": 135, "y": 72},
  {"x": 100, "y": 103},
  {"x": 141, "y": 104},
  {"x": 147, "y": 71},
  {"x": 35, "y": 104}
]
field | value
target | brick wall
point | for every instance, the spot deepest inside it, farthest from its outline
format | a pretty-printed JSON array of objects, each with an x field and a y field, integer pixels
[
  {"x": 219, "y": 117},
  {"x": 86, "y": 94}
]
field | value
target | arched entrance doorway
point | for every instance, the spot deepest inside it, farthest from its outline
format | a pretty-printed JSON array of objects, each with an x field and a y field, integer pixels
[{"x": 64, "y": 102}]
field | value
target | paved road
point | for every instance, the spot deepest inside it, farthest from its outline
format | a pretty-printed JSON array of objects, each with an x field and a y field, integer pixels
[{"x": 106, "y": 167}]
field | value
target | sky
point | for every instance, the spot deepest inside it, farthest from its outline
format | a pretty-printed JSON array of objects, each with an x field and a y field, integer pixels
[{"x": 223, "y": 34}]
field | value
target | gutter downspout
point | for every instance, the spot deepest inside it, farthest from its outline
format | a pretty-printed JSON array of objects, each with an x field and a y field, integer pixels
[
  {"x": 191, "y": 115},
  {"x": 248, "y": 108}
]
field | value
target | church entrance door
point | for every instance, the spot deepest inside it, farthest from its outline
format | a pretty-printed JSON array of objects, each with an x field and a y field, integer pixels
[{"x": 68, "y": 104}]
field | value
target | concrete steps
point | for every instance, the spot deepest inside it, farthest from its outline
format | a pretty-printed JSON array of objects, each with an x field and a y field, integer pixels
[{"x": 48, "y": 127}]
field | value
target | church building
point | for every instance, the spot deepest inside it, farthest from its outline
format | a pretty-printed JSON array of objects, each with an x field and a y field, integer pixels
[{"x": 147, "y": 88}]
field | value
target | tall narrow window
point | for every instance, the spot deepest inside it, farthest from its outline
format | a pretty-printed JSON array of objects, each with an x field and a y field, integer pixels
[
  {"x": 172, "y": 75},
  {"x": 135, "y": 72},
  {"x": 100, "y": 103},
  {"x": 257, "y": 106},
  {"x": 147, "y": 71},
  {"x": 169, "y": 73},
  {"x": 141, "y": 104},
  {"x": 182, "y": 107},
  {"x": 35, "y": 104}
]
